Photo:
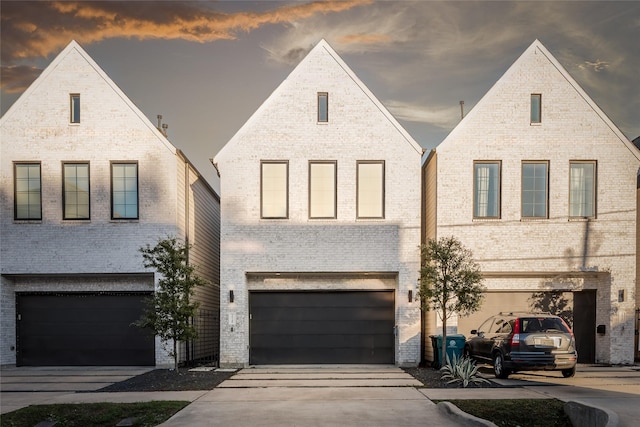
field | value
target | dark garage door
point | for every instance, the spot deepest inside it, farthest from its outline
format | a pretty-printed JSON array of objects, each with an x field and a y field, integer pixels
[
  {"x": 82, "y": 329},
  {"x": 322, "y": 327}
]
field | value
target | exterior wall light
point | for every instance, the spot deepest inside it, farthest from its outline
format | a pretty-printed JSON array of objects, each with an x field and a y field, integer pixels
[{"x": 231, "y": 296}]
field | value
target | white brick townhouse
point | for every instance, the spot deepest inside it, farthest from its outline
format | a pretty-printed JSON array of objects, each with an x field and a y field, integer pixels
[
  {"x": 320, "y": 227},
  {"x": 86, "y": 180},
  {"x": 541, "y": 186}
]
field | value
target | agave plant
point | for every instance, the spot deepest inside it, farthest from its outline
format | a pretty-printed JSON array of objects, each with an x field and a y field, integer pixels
[{"x": 461, "y": 370}]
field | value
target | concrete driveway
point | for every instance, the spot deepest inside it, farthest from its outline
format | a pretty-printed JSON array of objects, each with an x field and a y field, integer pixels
[
  {"x": 323, "y": 395},
  {"x": 616, "y": 388},
  {"x": 613, "y": 388},
  {"x": 24, "y": 386},
  {"x": 369, "y": 396}
]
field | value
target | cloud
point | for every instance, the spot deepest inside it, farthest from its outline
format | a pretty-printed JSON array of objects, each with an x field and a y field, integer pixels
[
  {"x": 441, "y": 117},
  {"x": 596, "y": 66},
  {"x": 16, "y": 78},
  {"x": 38, "y": 29}
]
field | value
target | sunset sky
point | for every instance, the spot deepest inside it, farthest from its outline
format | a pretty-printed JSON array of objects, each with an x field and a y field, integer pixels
[{"x": 207, "y": 66}]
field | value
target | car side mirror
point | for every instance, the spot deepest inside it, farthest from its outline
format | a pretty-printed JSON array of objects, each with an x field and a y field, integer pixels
[{"x": 474, "y": 332}]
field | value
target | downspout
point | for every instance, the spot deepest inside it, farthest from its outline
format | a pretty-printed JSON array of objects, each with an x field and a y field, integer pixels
[{"x": 187, "y": 224}]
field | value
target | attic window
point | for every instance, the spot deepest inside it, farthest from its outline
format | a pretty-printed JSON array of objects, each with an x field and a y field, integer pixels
[
  {"x": 536, "y": 108},
  {"x": 75, "y": 108},
  {"x": 323, "y": 107}
]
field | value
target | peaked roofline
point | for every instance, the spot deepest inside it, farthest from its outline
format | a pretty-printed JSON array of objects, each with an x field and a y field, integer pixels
[
  {"x": 74, "y": 45},
  {"x": 323, "y": 44},
  {"x": 537, "y": 44}
]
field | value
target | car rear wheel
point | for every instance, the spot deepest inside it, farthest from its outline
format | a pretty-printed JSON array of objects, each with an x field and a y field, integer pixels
[
  {"x": 568, "y": 373},
  {"x": 498, "y": 366}
]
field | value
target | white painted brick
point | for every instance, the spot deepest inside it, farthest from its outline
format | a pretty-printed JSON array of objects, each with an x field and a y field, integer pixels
[
  {"x": 81, "y": 255},
  {"x": 498, "y": 128},
  {"x": 285, "y": 128}
]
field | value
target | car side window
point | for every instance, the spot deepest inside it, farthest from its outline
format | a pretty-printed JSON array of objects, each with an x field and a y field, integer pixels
[
  {"x": 505, "y": 328},
  {"x": 485, "y": 327},
  {"x": 498, "y": 326}
]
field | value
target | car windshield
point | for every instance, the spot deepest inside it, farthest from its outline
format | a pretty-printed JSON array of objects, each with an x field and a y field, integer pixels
[{"x": 543, "y": 324}]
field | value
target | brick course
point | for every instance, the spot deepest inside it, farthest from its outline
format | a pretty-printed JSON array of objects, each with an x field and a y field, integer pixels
[
  {"x": 83, "y": 255},
  {"x": 285, "y": 128},
  {"x": 572, "y": 128}
]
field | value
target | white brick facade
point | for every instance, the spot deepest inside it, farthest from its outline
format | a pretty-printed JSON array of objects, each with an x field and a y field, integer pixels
[
  {"x": 99, "y": 254},
  {"x": 556, "y": 252},
  {"x": 285, "y": 127}
]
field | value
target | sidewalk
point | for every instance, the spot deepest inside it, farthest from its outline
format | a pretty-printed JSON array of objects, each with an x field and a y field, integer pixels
[{"x": 347, "y": 395}]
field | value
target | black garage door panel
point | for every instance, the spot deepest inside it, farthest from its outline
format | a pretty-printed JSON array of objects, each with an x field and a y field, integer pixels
[
  {"x": 322, "y": 327},
  {"x": 82, "y": 330}
]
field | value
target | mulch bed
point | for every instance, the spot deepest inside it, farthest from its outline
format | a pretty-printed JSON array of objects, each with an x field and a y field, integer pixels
[
  {"x": 431, "y": 378},
  {"x": 170, "y": 380},
  {"x": 184, "y": 380}
]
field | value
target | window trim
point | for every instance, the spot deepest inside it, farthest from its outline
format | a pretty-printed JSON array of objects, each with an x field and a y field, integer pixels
[
  {"x": 538, "y": 109},
  {"x": 72, "y": 113},
  {"x": 64, "y": 192},
  {"x": 499, "y": 193},
  {"x": 383, "y": 189},
  {"x": 125, "y": 162},
  {"x": 534, "y": 162},
  {"x": 325, "y": 96},
  {"x": 286, "y": 163},
  {"x": 335, "y": 187},
  {"x": 594, "y": 197},
  {"x": 15, "y": 189}
]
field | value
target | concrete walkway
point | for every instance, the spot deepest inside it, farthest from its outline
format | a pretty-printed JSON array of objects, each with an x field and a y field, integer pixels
[
  {"x": 315, "y": 396},
  {"x": 323, "y": 395},
  {"x": 24, "y": 386}
]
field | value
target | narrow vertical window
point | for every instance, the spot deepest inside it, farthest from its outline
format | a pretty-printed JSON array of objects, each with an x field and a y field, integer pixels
[
  {"x": 274, "y": 189},
  {"x": 370, "y": 192},
  {"x": 323, "y": 107},
  {"x": 75, "y": 192},
  {"x": 322, "y": 189},
  {"x": 27, "y": 191},
  {"x": 582, "y": 189},
  {"x": 486, "y": 190},
  {"x": 75, "y": 108},
  {"x": 535, "y": 189},
  {"x": 124, "y": 191},
  {"x": 536, "y": 108}
]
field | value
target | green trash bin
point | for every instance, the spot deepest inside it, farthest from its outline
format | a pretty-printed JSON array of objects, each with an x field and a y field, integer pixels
[{"x": 455, "y": 345}]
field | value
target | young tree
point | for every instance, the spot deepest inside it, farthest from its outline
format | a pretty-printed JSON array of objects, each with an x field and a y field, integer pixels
[
  {"x": 170, "y": 309},
  {"x": 450, "y": 281}
]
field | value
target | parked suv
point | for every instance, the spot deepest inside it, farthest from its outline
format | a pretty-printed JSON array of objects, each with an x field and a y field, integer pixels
[{"x": 524, "y": 341}]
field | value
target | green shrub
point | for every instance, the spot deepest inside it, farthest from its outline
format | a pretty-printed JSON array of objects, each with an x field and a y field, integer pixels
[{"x": 461, "y": 370}]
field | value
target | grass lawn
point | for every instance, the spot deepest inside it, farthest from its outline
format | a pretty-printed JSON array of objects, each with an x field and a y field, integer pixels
[
  {"x": 93, "y": 414},
  {"x": 503, "y": 413},
  {"x": 517, "y": 412}
]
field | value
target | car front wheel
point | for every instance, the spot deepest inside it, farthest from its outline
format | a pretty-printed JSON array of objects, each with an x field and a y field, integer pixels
[
  {"x": 498, "y": 366},
  {"x": 568, "y": 373}
]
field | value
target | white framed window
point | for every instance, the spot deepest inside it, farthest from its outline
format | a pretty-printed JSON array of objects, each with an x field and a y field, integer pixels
[
  {"x": 370, "y": 189},
  {"x": 124, "y": 190},
  {"x": 536, "y": 108},
  {"x": 74, "y": 116},
  {"x": 27, "y": 191},
  {"x": 75, "y": 191},
  {"x": 274, "y": 189},
  {"x": 582, "y": 189},
  {"x": 323, "y": 107},
  {"x": 322, "y": 189},
  {"x": 486, "y": 189},
  {"x": 535, "y": 189}
]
